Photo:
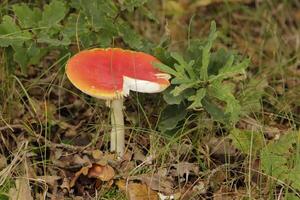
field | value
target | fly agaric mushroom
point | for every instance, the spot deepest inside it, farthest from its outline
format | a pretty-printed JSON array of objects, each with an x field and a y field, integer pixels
[{"x": 110, "y": 74}]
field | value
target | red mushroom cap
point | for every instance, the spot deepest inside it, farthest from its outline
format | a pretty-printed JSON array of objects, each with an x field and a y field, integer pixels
[{"x": 111, "y": 73}]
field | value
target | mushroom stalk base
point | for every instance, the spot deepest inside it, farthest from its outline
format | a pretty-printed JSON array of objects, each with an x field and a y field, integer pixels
[{"x": 117, "y": 140}]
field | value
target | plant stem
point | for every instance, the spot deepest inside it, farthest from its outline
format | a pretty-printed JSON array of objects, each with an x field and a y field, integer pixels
[{"x": 117, "y": 140}]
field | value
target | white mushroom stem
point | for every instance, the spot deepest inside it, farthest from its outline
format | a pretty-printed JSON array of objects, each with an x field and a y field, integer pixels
[{"x": 117, "y": 140}]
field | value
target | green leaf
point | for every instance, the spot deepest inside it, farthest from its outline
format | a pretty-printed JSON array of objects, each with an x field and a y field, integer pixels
[
  {"x": 171, "y": 99},
  {"x": 206, "y": 52},
  {"x": 197, "y": 99},
  {"x": 179, "y": 89},
  {"x": 171, "y": 116},
  {"x": 218, "y": 60},
  {"x": 99, "y": 13},
  {"x": 53, "y": 13},
  {"x": 21, "y": 58},
  {"x": 280, "y": 159},
  {"x": 248, "y": 142},
  {"x": 205, "y": 61},
  {"x": 250, "y": 96},
  {"x": 25, "y": 56},
  {"x": 43, "y": 38},
  {"x": 214, "y": 110},
  {"x": 229, "y": 71},
  {"x": 130, "y": 37},
  {"x": 27, "y": 17},
  {"x": 11, "y": 34},
  {"x": 165, "y": 68},
  {"x": 75, "y": 26},
  {"x": 223, "y": 92},
  {"x": 130, "y": 5},
  {"x": 182, "y": 67}
]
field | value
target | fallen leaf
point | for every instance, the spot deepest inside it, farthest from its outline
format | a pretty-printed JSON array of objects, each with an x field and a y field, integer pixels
[
  {"x": 83, "y": 161},
  {"x": 185, "y": 168},
  {"x": 221, "y": 147},
  {"x": 225, "y": 193},
  {"x": 155, "y": 182},
  {"x": 50, "y": 180},
  {"x": 22, "y": 190},
  {"x": 137, "y": 191}
]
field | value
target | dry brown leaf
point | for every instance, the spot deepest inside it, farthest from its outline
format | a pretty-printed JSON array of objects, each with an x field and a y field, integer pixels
[
  {"x": 83, "y": 161},
  {"x": 104, "y": 173},
  {"x": 137, "y": 191},
  {"x": 126, "y": 168},
  {"x": 186, "y": 168},
  {"x": 22, "y": 190},
  {"x": 156, "y": 182},
  {"x": 221, "y": 146},
  {"x": 50, "y": 180},
  {"x": 225, "y": 193}
]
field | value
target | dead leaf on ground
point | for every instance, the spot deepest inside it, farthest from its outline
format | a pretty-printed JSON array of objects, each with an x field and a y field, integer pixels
[
  {"x": 221, "y": 146},
  {"x": 185, "y": 168},
  {"x": 50, "y": 180},
  {"x": 22, "y": 190},
  {"x": 156, "y": 182},
  {"x": 194, "y": 190},
  {"x": 225, "y": 193},
  {"x": 137, "y": 191},
  {"x": 83, "y": 161}
]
